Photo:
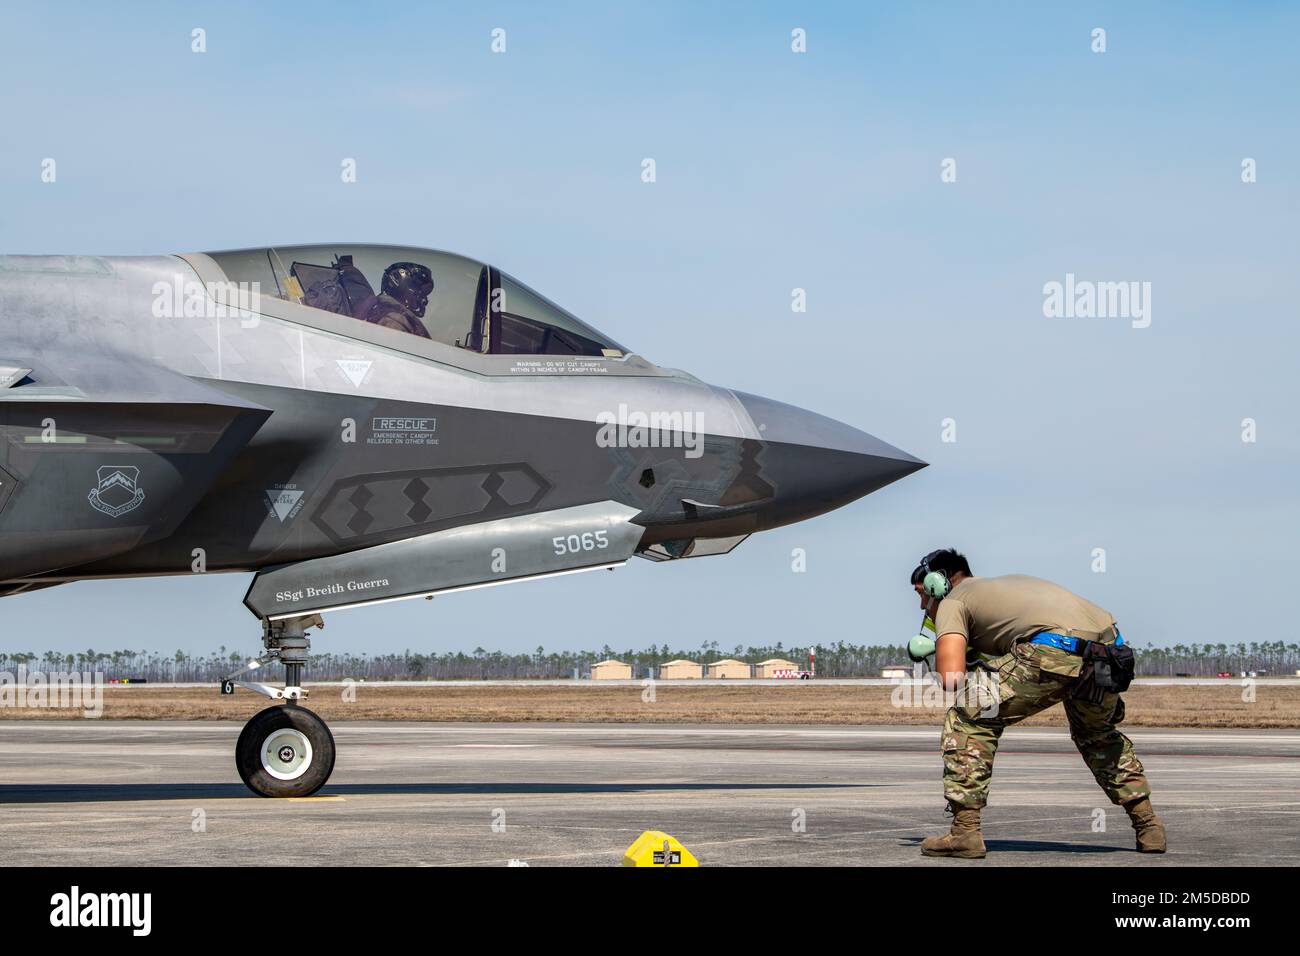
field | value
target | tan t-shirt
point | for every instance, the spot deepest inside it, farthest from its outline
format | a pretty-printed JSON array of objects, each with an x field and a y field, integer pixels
[{"x": 994, "y": 613}]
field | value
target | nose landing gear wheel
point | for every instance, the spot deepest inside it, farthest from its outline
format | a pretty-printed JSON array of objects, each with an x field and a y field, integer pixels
[{"x": 285, "y": 751}]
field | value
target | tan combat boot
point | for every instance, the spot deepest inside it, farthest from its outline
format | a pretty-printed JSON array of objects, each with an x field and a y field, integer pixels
[
  {"x": 963, "y": 840},
  {"x": 1150, "y": 831}
]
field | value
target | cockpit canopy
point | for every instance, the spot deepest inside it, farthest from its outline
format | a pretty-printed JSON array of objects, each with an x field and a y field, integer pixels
[{"x": 470, "y": 305}]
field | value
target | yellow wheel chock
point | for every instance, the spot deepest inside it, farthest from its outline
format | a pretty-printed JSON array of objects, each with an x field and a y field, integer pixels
[{"x": 656, "y": 848}]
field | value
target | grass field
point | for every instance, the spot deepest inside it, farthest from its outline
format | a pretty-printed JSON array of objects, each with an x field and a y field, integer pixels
[{"x": 797, "y": 703}]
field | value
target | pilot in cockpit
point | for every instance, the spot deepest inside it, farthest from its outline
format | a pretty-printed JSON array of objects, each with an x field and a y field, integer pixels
[{"x": 403, "y": 296}]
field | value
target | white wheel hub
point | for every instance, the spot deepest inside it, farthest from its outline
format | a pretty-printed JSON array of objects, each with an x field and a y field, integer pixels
[{"x": 286, "y": 754}]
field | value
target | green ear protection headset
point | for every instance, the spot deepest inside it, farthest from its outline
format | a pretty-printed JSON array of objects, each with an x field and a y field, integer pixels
[{"x": 934, "y": 583}]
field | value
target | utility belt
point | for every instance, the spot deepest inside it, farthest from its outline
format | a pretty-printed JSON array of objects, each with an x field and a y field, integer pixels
[
  {"x": 1107, "y": 665},
  {"x": 1075, "y": 645}
]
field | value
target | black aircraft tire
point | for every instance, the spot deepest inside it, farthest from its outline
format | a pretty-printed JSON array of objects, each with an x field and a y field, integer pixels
[{"x": 285, "y": 751}]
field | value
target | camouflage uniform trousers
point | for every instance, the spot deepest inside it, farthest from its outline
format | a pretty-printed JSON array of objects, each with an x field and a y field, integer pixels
[{"x": 1025, "y": 687}]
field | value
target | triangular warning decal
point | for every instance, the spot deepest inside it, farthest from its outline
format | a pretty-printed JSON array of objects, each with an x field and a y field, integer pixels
[
  {"x": 282, "y": 501},
  {"x": 355, "y": 370}
]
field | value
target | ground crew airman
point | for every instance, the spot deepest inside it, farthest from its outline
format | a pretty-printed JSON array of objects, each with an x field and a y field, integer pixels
[{"x": 1038, "y": 634}]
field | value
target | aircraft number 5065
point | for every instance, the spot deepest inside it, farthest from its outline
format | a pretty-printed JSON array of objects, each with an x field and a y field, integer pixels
[{"x": 587, "y": 541}]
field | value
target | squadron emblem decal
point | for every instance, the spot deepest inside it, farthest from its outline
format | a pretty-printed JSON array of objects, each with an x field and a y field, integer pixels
[{"x": 118, "y": 490}]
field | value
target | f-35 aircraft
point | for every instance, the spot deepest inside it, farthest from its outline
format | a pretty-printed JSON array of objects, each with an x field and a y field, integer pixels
[{"x": 359, "y": 424}]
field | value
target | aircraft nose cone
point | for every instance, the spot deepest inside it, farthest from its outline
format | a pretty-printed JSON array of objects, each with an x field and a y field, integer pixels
[{"x": 815, "y": 463}]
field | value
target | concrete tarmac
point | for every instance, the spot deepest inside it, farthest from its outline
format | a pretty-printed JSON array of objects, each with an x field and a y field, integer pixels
[{"x": 103, "y": 793}]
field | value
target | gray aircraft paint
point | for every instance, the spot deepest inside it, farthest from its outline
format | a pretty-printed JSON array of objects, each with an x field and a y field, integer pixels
[{"x": 224, "y": 433}]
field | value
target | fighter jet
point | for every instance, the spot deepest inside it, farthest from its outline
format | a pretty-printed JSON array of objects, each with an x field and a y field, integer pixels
[{"x": 357, "y": 424}]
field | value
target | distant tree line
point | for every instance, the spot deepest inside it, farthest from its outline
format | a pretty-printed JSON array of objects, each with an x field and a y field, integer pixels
[{"x": 833, "y": 660}]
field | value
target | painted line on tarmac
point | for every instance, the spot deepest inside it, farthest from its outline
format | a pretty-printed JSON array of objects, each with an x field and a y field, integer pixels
[
  {"x": 903, "y": 734},
  {"x": 132, "y": 728},
  {"x": 316, "y": 799}
]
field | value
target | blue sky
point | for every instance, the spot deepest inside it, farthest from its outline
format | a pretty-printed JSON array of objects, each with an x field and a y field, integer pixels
[{"x": 775, "y": 170}]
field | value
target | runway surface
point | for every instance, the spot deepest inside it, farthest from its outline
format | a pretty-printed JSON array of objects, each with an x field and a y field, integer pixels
[
  {"x": 103, "y": 793},
  {"x": 709, "y": 682}
]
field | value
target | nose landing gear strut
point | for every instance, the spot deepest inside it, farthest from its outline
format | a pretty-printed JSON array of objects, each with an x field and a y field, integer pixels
[{"x": 285, "y": 750}]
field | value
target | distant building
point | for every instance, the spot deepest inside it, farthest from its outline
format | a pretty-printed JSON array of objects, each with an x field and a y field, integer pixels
[
  {"x": 732, "y": 669},
  {"x": 766, "y": 669},
  {"x": 896, "y": 672},
  {"x": 611, "y": 670},
  {"x": 681, "y": 670}
]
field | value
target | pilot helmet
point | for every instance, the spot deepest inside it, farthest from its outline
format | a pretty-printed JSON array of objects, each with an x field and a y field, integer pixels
[{"x": 409, "y": 283}]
